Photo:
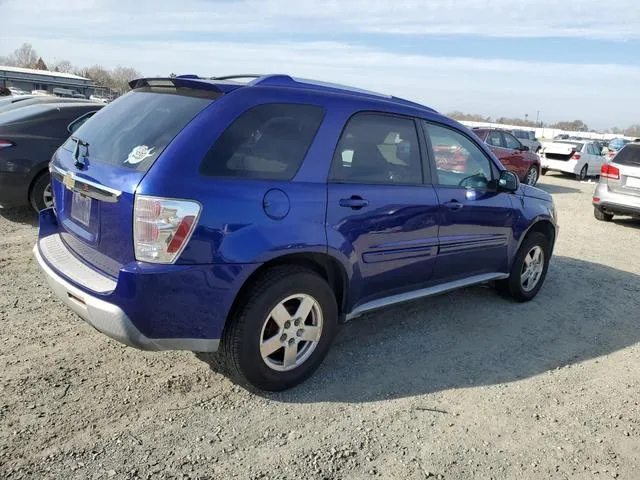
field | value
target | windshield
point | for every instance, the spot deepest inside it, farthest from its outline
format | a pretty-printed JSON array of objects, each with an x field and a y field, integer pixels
[{"x": 133, "y": 131}]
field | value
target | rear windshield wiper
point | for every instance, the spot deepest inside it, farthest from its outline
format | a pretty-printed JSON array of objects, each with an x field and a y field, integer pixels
[{"x": 78, "y": 160}]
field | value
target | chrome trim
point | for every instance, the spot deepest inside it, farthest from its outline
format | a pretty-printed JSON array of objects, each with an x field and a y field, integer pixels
[
  {"x": 86, "y": 187},
  {"x": 112, "y": 321},
  {"x": 424, "y": 292},
  {"x": 58, "y": 255}
]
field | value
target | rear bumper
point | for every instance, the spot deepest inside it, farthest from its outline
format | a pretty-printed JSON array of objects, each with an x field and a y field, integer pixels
[
  {"x": 151, "y": 307},
  {"x": 112, "y": 320},
  {"x": 13, "y": 190},
  {"x": 616, "y": 203},
  {"x": 566, "y": 166}
]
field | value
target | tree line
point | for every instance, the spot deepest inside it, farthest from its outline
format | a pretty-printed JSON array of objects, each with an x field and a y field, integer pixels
[
  {"x": 570, "y": 126},
  {"x": 116, "y": 79}
]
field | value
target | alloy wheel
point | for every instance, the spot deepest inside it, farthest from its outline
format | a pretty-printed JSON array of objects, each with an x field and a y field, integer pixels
[{"x": 532, "y": 268}]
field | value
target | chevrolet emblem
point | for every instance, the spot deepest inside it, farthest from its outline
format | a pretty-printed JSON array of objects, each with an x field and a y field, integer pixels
[{"x": 69, "y": 181}]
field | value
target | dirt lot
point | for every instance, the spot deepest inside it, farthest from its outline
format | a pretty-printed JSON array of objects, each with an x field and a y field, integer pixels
[{"x": 462, "y": 386}]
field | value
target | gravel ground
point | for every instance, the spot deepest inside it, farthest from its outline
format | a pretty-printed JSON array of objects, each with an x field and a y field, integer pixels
[{"x": 462, "y": 386}]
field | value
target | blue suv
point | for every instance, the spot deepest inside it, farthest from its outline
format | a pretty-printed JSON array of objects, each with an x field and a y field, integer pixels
[{"x": 255, "y": 217}]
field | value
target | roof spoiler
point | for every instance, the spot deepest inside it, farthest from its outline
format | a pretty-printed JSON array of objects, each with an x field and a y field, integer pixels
[{"x": 186, "y": 81}]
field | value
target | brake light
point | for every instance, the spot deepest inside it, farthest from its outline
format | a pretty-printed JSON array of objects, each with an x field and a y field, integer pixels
[
  {"x": 162, "y": 227},
  {"x": 609, "y": 171},
  {"x": 576, "y": 156},
  {"x": 596, "y": 199},
  {"x": 6, "y": 144}
]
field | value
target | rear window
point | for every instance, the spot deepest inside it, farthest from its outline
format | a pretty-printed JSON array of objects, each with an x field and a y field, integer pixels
[
  {"x": 133, "y": 131},
  {"x": 617, "y": 143},
  {"x": 267, "y": 142},
  {"x": 629, "y": 155}
]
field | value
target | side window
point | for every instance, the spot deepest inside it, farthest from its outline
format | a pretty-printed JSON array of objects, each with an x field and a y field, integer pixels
[
  {"x": 267, "y": 142},
  {"x": 510, "y": 141},
  {"x": 495, "y": 139},
  {"x": 378, "y": 148},
  {"x": 459, "y": 161}
]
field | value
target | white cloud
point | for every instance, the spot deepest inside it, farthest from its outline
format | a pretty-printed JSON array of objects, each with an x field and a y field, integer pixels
[{"x": 87, "y": 32}]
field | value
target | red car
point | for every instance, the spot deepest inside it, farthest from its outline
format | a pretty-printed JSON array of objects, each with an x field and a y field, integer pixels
[{"x": 512, "y": 154}]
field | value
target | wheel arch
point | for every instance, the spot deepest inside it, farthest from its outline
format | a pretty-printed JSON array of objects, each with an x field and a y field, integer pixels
[
  {"x": 544, "y": 226},
  {"x": 326, "y": 266}
]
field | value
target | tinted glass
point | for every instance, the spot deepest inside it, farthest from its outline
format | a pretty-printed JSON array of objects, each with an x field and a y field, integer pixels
[
  {"x": 459, "y": 161},
  {"x": 266, "y": 142},
  {"x": 376, "y": 148},
  {"x": 133, "y": 130},
  {"x": 510, "y": 141},
  {"x": 495, "y": 139},
  {"x": 629, "y": 155},
  {"x": 617, "y": 143},
  {"x": 521, "y": 134}
]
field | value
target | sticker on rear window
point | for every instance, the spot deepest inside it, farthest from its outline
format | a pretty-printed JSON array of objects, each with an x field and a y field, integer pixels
[{"x": 138, "y": 154}]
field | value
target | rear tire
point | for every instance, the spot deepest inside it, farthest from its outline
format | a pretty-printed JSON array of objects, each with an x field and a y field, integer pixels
[
  {"x": 602, "y": 216},
  {"x": 40, "y": 195},
  {"x": 544, "y": 171},
  {"x": 270, "y": 319},
  {"x": 529, "y": 269},
  {"x": 583, "y": 173}
]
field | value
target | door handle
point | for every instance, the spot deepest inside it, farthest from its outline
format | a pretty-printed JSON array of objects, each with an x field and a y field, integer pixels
[
  {"x": 355, "y": 202},
  {"x": 454, "y": 205}
]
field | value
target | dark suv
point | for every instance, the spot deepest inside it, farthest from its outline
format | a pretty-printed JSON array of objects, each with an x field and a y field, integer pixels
[{"x": 201, "y": 214}]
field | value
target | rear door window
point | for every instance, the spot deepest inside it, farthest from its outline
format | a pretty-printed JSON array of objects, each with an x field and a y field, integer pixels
[
  {"x": 495, "y": 139},
  {"x": 267, "y": 142},
  {"x": 133, "y": 131},
  {"x": 629, "y": 155}
]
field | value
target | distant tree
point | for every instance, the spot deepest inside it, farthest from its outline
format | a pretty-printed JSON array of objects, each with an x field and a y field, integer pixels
[
  {"x": 23, "y": 56},
  {"x": 121, "y": 76},
  {"x": 574, "y": 126},
  {"x": 98, "y": 74},
  {"x": 615, "y": 130},
  {"x": 64, "y": 66},
  {"x": 40, "y": 65},
  {"x": 632, "y": 131},
  {"x": 519, "y": 122},
  {"x": 470, "y": 117}
]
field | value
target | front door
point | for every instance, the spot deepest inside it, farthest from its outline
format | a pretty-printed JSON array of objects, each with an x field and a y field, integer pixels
[
  {"x": 380, "y": 214},
  {"x": 475, "y": 219}
]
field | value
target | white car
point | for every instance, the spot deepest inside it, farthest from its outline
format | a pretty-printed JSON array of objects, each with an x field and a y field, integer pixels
[{"x": 582, "y": 158}]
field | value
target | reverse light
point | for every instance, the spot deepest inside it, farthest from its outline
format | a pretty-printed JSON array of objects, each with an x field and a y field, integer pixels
[
  {"x": 162, "y": 227},
  {"x": 609, "y": 171}
]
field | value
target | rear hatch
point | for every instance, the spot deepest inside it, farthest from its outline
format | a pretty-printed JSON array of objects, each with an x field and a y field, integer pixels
[
  {"x": 96, "y": 171},
  {"x": 627, "y": 162},
  {"x": 560, "y": 150}
]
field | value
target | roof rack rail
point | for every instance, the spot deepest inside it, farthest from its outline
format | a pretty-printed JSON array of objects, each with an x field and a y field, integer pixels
[{"x": 233, "y": 77}]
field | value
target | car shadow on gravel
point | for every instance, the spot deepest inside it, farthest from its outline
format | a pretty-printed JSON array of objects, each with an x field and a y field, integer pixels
[
  {"x": 474, "y": 337},
  {"x": 556, "y": 189},
  {"x": 23, "y": 215},
  {"x": 627, "y": 222}
]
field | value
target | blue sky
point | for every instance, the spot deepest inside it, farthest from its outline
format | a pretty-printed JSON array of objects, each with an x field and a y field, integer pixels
[{"x": 568, "y": 60}]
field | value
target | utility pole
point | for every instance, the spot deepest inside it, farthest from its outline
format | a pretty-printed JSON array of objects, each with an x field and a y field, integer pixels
[{"x": 537, "y": 118}]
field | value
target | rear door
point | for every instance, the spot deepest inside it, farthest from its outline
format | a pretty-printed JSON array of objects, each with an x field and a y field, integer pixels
[
  {"x": 475, "y": 220},
  {"x": 97, "y": 170},
  {"x": 596, "y": 160},
  {"x": 380, "y": 214}
]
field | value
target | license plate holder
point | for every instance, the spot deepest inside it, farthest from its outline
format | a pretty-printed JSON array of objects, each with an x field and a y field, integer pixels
[
  {"x": 633, "y": 182},
  {"x": 81, "y": 208}
]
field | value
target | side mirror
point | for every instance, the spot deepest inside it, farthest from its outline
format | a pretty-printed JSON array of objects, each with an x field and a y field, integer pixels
[
  {"x": 508, "y": 181},
  {"x": 524, "y": 148}
]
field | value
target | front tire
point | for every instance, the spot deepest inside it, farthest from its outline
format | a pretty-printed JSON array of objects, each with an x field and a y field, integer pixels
[
  {"x": 531, "y": 177},
  {"x": 600, "y": 215},
  {"x": 40, "y": 195},
  {"x": 529, "y": 268},
  {"x": 282, "y": 329}
]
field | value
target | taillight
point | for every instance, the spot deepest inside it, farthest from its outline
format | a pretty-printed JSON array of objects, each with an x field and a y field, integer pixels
[
  {"x": 576, "y": 156},
  {"x": 6, "y": 144},
  {"x": 162, "y": 227},
  {"x": 609, "y": 171},
  {"x": 596, "y": 199}
]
